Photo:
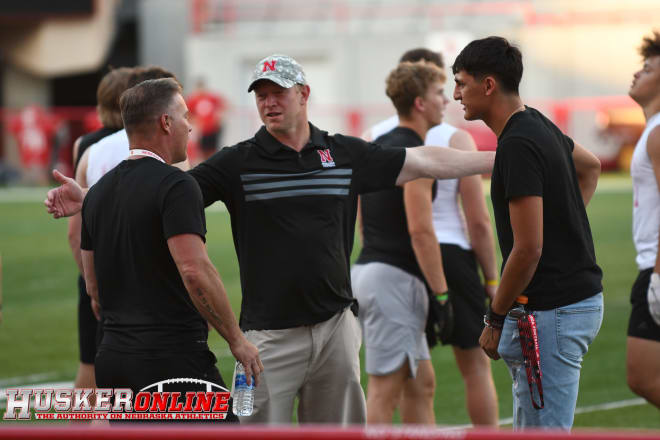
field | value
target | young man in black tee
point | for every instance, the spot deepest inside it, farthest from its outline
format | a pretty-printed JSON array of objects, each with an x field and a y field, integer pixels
[
  {"x": 399, "y": 254},
  {"x": 291, "y": 191},
  {"x": 542, "y": 180},
  {"x": 143, "y": 231}
]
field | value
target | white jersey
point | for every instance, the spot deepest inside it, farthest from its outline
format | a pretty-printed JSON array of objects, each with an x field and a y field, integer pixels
[
  {"x": 646, "y": 200},
  {"x": 105, "y": 155},
  {"x": 448, "y": 219}
]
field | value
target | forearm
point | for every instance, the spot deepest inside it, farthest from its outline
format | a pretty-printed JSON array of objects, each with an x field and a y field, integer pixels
[
  {"x": 444, "y": 163},
  {"x": 89, "y": 273},
  {"x": 210, "y": 298},
  {"x": 429, "y": 258},
  {"x": 588, "y": 183},
  {"x": 73, "y": 236},
  {"x": 516, "y": 276},
  {"x": 482, "y": 241}
]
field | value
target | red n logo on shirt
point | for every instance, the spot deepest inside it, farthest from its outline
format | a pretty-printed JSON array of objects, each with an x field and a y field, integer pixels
[
  {"x": 269, "y": 66},
  {"x": 326, "y": 158}
]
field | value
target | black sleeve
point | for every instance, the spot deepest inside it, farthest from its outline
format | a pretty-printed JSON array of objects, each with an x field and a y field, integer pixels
[
  {"x": 374, "y": 168},
  {"x": 570, "y": 142},
  {"x": 214, "y": 176},
  {"x": 521, "y": 167},
  {"x": 182, "y": 208},
  {"x": 85, "y": 236}
]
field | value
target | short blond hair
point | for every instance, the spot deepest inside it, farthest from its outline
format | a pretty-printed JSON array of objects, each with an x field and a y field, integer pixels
[{"x": 410, "y": 80}]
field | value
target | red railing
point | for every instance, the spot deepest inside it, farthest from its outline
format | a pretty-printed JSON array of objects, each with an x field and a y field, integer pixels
[{"x": 305, "y": 432}]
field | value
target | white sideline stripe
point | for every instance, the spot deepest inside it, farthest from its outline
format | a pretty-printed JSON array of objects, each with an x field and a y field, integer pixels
[
  {"x": 594, "y": 408},
  {"x": 30, "y": 378}
]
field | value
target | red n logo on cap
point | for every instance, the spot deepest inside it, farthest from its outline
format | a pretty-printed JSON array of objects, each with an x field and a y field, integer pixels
[{"x": 269, "y": 66}]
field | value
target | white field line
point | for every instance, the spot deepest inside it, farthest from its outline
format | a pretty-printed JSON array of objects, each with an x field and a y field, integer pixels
[{"x": 583, "y": 410}]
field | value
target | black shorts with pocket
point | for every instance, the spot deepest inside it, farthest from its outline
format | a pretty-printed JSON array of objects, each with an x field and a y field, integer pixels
[{"x": 641, "y": 325}]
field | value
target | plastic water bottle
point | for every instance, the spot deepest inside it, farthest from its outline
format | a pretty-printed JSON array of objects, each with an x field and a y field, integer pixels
[
  {"x": 518, "y": 310},
  {"x": 243, "y": 393}
]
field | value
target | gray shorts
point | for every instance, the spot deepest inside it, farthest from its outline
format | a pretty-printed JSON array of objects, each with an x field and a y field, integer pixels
[{"x": 393, "y": 309}]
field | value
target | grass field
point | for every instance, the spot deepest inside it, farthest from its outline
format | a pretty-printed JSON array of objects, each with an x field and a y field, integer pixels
[{"x": 38, "y": 332}]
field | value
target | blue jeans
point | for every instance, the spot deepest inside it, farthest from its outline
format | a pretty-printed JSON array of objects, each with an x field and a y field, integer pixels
[{"x": 564, "y": 335}]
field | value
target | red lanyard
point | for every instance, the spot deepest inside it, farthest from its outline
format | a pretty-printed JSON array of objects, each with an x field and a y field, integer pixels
[{"x": 529, "y": 342}]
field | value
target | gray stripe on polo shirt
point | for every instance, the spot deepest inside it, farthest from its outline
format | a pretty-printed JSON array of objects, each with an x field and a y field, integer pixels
[
  {"x": 297, "y": 192},
  {"x": 296, "y": 182},
  {"x": 331, "y": 172}
]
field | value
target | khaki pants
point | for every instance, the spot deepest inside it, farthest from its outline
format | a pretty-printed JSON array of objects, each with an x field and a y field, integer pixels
[{"x": 319, "y": 363}]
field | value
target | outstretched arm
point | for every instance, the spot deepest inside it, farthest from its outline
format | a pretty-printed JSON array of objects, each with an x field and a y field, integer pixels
[
  {"x": 209, "y": 296},
  {"x": 443, "y": 163}
]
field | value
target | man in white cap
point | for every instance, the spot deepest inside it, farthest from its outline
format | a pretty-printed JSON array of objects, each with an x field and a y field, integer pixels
[{"x": 292, "y": 191}]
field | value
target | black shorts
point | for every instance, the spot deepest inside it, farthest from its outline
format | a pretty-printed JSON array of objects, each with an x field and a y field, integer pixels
[
  {"x": 641, "y": 325},
  {"x": 116, "y": 369},
  {"x": 467, "y": 295},
  {"x": 89, "y": 329}
]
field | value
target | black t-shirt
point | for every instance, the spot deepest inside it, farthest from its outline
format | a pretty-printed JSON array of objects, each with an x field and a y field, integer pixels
[
  {"x": 293, "y": 220},
  {"x": 127, "y": 218},
  {"x": 534, "y": 158},
  {"x": 384, "y": 222},
  {"x": 90, "y": 139}
]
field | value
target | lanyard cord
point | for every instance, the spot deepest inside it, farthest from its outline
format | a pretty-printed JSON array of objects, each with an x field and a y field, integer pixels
[
  {"x": 530, "y": 349},
  {"x": 140, "y": 152}
]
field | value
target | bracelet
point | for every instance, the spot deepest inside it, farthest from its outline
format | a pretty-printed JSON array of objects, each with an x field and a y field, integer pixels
[
  {"x": 494, "y": 320},
  {"x": 442, "y": 296},
  {"x": 492, "y": 282}
]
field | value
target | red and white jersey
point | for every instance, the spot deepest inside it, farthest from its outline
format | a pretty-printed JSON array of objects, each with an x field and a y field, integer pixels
[
  {"x": 448, "y": 219},
  {"x": 646, "y": 200}
]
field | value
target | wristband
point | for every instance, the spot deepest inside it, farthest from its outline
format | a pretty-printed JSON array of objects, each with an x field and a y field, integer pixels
[
  {"x": 442, "y": 296},
  {"x": 494, "y": 320},
  {"x": 492, "y": 282}
]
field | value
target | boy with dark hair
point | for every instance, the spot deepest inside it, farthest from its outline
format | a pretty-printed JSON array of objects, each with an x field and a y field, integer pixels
[
  {"x": 643, "y": 357},
  {"x": 542, "y": 180}
]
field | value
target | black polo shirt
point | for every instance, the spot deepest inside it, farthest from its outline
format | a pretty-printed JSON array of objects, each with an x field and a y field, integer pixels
[{"x": 293, "y": 220}]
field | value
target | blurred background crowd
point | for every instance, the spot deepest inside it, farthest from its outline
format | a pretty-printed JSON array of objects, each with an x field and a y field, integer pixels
[{"x": 579, "y": 58}]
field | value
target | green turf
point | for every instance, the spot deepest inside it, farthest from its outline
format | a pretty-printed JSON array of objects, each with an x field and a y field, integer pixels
[{"x": 38, "y": 333}]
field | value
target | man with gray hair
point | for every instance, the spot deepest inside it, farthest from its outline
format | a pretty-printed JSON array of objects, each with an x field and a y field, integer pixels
[{"x": 292, "y": 191}]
